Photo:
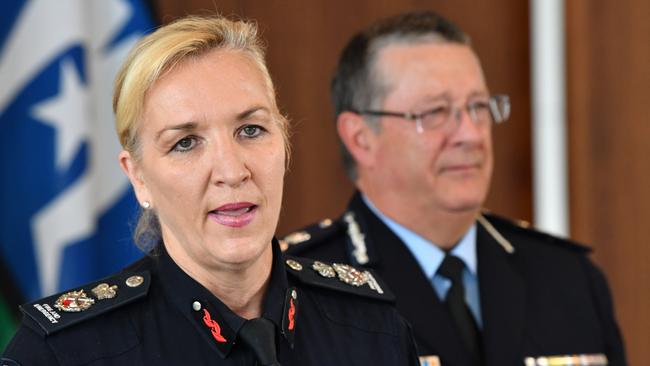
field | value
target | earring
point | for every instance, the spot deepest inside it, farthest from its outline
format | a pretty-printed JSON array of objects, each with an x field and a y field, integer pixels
[{"x": 146, "y": 205}]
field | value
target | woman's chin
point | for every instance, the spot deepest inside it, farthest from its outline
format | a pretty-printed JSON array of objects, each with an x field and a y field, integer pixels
[{"x": 239, "y": 252}]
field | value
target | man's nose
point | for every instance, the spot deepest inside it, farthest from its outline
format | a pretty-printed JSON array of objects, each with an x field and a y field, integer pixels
[{"x": 467, "y": 127}]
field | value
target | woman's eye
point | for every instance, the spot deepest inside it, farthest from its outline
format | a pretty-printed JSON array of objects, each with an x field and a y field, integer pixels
[
  {"x": 185, "y": 144},
  {"x": 250, "y": 131}
]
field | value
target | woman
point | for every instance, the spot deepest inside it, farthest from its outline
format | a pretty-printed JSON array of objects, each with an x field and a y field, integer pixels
[{"x": 205, "y": 149}]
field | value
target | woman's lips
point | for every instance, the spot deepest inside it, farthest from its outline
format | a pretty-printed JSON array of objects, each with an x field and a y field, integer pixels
[{"x": 237, "y": 214}]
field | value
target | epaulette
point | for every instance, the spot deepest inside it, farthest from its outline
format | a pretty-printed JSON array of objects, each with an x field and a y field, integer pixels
[
  {"x": 314, "y": 233},
  {"x": 521, "y": 227},
  {"x": 66, "y": 309},
  {"x": 339, "y": 277}
]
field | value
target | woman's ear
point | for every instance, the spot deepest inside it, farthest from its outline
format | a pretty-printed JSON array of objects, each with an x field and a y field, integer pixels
[
  {"x": 358, "y": 138},
  {"x": 133, "y": 170}
]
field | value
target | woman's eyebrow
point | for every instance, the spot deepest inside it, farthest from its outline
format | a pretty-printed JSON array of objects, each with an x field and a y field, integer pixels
[
  {"x": 249, "y": 112},
  {"x": 187, "y": 126}
]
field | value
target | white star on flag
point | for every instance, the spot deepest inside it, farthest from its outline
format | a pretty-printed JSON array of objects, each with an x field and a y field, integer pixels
[{"x": 67, "y": 113}]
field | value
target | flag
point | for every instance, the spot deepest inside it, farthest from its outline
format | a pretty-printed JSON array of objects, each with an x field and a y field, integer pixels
[{"x": 66, "y": 209}]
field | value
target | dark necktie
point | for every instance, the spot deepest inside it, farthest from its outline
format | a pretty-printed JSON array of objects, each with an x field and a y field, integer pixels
[
  {"x": 452, "y": 269},
  {"x": 259, "y": 335}
]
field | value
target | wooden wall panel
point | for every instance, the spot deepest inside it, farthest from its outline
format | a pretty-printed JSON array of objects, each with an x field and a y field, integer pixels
[
  {"x": 304, "y": 40},
  {"x": 609, "y": 91}
]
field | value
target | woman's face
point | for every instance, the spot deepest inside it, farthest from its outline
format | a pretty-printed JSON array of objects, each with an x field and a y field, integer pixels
[{"x": 212, "y": 160}]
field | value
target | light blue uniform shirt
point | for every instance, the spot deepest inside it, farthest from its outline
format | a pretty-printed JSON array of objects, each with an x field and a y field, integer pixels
[{"x": 430, "y": 257}]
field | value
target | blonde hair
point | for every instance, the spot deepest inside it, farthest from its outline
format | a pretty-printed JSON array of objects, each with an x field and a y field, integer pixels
[
  {"x": 160, "y": 51},
  {"x": 157, "y": 54}
]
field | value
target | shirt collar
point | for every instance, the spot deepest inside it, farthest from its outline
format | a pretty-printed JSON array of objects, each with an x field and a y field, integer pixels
[
  {"x": 428, "y": 254},
  {"x": 466, "y": 249}
]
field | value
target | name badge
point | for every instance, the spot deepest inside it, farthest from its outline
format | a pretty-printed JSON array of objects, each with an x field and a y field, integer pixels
[
  {"x": 429, "y": 361},
  {"x": 598, "y": 359}
]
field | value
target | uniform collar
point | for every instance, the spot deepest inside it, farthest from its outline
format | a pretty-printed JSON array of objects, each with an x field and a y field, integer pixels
[
  {"x": 217, "y": 324},
  {"x": 272, "y": 305},
  {"x": 428, "y": 254}
]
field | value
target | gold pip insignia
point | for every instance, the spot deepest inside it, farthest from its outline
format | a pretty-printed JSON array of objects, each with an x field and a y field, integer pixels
[
  {"x": 297, "y": 237},
  {"x": 134, "y": 281},
  {"x": 104, "y": 291},
  {"x": 74, "y": 302},
  {"x": 323, "y": 269},
  {"x": 350, "y": 275},
  {"x": 568, "y": 360},
  {"x": 294, "y": 265}
]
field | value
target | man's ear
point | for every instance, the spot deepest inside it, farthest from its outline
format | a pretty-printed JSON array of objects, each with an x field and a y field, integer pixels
[
  {"x": 359, "y": 139},
  {"x": 132, "y": 170}
]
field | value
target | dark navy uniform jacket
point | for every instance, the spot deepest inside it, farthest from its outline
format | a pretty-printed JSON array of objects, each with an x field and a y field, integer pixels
[
  {"x": 540, "y": 295},
  {"x": 170, "y": 319}
]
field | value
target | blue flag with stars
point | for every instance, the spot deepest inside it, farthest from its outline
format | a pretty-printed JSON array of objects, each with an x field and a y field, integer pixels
[{"x": 67, "y": 209}]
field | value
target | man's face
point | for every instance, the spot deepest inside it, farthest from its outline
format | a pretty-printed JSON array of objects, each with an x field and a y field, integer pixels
[{"x": 441, "y": 170}]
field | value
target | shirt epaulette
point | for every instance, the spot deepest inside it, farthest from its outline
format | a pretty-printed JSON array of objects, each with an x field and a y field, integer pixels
[
  {"x": 506, "y": 226},
  {"x": 339, "y": 277},
  {"x": 311, "y": 234},
  {"x": 68, "y": 308}
]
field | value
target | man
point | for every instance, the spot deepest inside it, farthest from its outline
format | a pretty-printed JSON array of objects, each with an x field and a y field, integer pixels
[{"x": 414, "y": 116}]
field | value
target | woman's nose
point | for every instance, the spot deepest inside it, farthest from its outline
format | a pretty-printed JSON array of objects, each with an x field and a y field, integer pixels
[{"x": 229, "y": 165}]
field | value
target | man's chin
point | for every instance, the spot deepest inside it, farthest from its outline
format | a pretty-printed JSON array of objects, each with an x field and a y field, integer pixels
[
  {"x": 464, "y": 198},
  {"x": 462, "y": 207}
]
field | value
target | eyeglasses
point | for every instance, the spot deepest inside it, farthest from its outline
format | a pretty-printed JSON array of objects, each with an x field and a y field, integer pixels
[{"x": 495, "y": 109}]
